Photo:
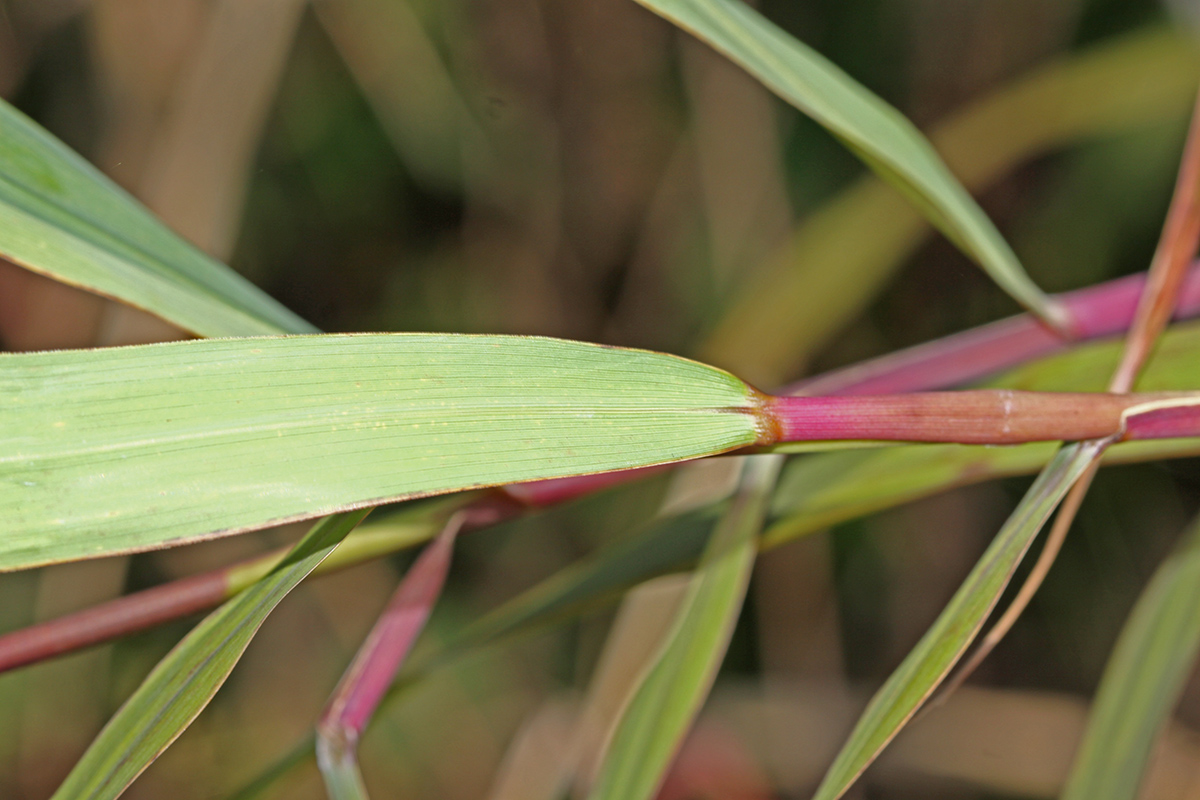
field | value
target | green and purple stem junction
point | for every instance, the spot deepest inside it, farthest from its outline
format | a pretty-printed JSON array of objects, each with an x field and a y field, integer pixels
[{"x": 1102, "y": 310}]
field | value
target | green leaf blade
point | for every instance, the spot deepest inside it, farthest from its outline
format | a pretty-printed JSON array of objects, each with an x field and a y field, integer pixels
[
  {"x": 662, "y": 709},
  {"x": 132, "y": 448},
  {"x": 940, "y": 648},
  {"x": 879, "y": 134},
  {"x": 183, "y": 683},
  {"x": 1145, "y": 675},
  {"x": 61, "y": 217}
]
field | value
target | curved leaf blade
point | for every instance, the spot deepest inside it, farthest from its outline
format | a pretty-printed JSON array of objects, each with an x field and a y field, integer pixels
[
  {"x": 61, "y": 217},
  {"x": 794, "y": 302},
  {"x": 940, "y": 648},
  {"x": 879, "y": 134},
  {"x": 183, "y": 683},
  {"x": 1145, "y": 675},
  {"x": 132, "y": 448},
  {"x": 652, "y": 728}
]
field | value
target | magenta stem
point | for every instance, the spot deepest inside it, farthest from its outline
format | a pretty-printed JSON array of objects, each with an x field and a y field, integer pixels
[
  {"x": 995, "y": 416},
  {"x": 370, "y": 674}
]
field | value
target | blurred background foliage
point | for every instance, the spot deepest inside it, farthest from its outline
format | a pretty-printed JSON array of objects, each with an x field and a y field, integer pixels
[{"x": 581, "y": 169}]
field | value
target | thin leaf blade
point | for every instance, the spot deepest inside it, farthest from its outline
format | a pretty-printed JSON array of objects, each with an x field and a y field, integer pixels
[
  {"x": 661, "y": 711},
  {"x": 61, "y": 217},
  {"x": 1142, "y": 682},
  {"x": 183, "y": 683},
  {"x": 793, "y": 302},
  {"x": 882, "y": 137},
  {"x": 940, "y": 648}
]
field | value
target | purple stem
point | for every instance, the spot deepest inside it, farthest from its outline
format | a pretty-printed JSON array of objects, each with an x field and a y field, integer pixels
[
  {"x": 987, "y": 416},
  {"x": 370, "y": 674}
]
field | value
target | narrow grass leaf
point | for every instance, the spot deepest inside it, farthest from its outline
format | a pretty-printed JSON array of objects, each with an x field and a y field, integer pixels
[
  {"x": 652, "y": 728},
  {"x": 132, "y": 448},
  {"x": 933, "y": 657},
  {"x": 794, "y": 302},
  {"x": 61, "y": 217},
  {"x": 182, "y": 684},
  {"x": 1145, "y": 675},
  {"x": 876, "y": 132}
]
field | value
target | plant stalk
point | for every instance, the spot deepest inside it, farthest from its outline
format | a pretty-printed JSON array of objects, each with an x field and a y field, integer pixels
[
  {"x": 1096, "y": 311},
  {"x": 989, "y": 416}
]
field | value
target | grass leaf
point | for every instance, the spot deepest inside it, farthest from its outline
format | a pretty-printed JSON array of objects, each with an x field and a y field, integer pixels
[
  {"x": 182, "y": 684},
  {"x": 61, "y": 217},
  {"x": 879, "y": 134},
  {"x": 133, "y": 448},
  {"x": 795, "y": 301},
  {"x": 940, "y": 648},
  {"x": 1146, "y": 673},
  {"x": 660, "y": 714}
]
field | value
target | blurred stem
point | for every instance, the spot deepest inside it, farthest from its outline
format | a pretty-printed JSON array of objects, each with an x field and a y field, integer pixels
[{"x": 374, "y": 667}]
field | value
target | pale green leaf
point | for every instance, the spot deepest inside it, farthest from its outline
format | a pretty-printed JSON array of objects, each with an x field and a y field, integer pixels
[
  {"x": 60, "y": 216},
  {"x": 661, "y": 711},
  {"x": 941, "y": 647},
  {"x": 182, "y": 684},
  {"x": 878, "y": 133},
  {"x": 1148, "y": 670},
  {"x": 132, "y": 448}
]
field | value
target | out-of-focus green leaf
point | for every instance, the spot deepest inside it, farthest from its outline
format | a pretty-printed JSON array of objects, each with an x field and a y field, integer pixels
[
  {"x": 397, "y": 65},
  {"x": 826, "y": 489},
  {"x": 1087, "y": 368},
  {"x": 182, "y": 684},
  {"x": 835, "y": 262},
  {"x": 666, "y": 544},
  {"x": 940, "y": 648},
  {"x": 61, "y": 217},
  {"x": 879, "y": 134},
  {"x": 1148, "y": 669},
  {"x": 661, "y": 711},
  {"x": 132, "y": 448}
]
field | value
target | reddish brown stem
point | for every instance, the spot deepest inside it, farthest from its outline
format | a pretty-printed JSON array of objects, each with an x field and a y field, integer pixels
[
  {"x": 374, "y": 667},
  {"x": 1169, "y": 267},
  {"x": 111, "y": 620},
  {"x": 991, "y": 416}
]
